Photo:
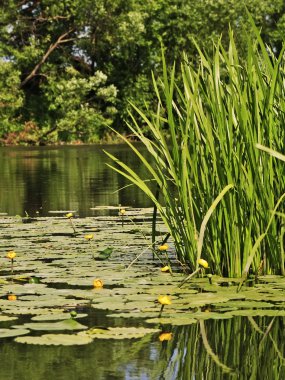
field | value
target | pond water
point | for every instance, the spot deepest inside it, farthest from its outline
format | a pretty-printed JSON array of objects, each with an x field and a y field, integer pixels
[
  {"x": 183, "y": 358},
  {"x": 37, "y": 180},
  {"x": 209, "y": 333}
]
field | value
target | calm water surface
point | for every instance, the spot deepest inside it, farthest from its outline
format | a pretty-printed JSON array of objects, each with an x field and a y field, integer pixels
[
  {"x": 234, "y": 343},
  {"x": 43, "y": 179}
]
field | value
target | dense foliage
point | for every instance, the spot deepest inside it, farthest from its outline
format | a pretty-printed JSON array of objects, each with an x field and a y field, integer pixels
[{"x": 69, "y": 69}]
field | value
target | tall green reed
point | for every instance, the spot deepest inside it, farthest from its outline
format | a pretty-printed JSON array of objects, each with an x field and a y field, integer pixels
[{"x": 218, "y": 190}]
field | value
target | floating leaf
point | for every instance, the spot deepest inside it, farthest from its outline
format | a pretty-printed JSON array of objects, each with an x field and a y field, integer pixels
[
  {"x": 257, "y": 313},
  {"x": 105, "y": 253},
  {"x": 56, "y": 316},
  {"x": 68, "y": 324},
  {"x": 247, "y": 304},
  {"x": 56, "y": 339},
  {"x": 119, "y": 332},
  {"x": 8, "y": 333},
  {"x": 5, "y": 318},
  {"x": 175, "y": 320}
]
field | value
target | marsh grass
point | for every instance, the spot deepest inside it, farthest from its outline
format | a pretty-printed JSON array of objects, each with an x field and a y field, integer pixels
[{"x": 219, "y": 191}]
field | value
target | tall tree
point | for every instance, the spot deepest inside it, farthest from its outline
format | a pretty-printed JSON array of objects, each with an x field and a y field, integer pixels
[{"x": 70, "y": 68}]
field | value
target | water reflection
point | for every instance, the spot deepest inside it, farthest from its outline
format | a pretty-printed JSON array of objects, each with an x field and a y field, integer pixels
[
  {"x": 240, "y": 348},
  {"x": 253, "y": 349},
  {"x": 40, "y": 179}
]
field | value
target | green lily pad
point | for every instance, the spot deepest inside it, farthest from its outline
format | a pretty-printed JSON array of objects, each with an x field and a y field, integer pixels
[
  {"x": 175, "y": 320},
  {"x": 257, "y": 313},
  {"x": 105, "y": 253},
  {"x": 68, "y": 324},
  {"x": 247, "y": 304},
  {"x": 134, "y": 314},
  {"x": 119, "y": 332},
  {"x": 8, "y": 333},
  {"x": 56, "y": 316},
  {"x": 56, "y": 339},
  {"x": 5, "y": 318}
]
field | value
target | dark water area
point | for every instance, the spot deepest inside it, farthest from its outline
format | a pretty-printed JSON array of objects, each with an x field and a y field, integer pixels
[{"x": 37, "y": 180}]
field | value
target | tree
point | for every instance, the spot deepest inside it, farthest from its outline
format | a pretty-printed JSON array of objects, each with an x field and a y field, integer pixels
[{"x": 46, "y": 44}]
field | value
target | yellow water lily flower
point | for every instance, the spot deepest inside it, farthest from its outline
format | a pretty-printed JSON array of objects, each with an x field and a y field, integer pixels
[
  {"x": 164, "y": 300},
  {"x": 165, "y": 336},
  {"x": 165, "y": 269},
  {"x": 12, "y": 297},
  {"x": 122, "y": 211},
  {"x": 97, "y": 283},
  {"x": 69, "y": 215},
  {"x": 89, "y": 237},
  {"x": 163, "y": 247},
  {"x": 203, "y": 263},
  {"x": 11, "y": 255}
]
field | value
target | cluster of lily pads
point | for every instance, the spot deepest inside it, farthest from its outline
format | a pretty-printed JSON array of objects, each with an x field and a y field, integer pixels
[{"x": 50, "y": 278}]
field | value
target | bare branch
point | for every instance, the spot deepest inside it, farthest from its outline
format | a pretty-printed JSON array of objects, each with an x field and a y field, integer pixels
[{"x": 61, "y": 39}]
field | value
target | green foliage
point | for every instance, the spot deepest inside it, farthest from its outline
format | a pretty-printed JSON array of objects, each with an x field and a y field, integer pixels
[
  {"x": 81, "y": 106},
  {"x": 11, "y": 97},
  {"x": 223, "y": 107},
  {"x": 119, "y": 38}
]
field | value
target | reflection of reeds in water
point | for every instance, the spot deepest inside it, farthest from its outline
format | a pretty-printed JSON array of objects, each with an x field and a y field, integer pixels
[{"x": 239, "y": 348}]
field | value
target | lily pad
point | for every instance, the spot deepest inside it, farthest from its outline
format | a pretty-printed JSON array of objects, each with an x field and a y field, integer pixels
[
  {"x": 56, "y": 339},
  {"x": 8, "y": 333},
  {"x": 119, "y": 332},
  {"x": 257, "y": 313},
  {"x": 105, "y": 253},
  {"x": 5, "y": 318},
  {"x": 56, "y": 316},
  {"x": 175, "y": 320},
  {"x": 68, "y": 324},
  {"x": 247, "y": 304}
]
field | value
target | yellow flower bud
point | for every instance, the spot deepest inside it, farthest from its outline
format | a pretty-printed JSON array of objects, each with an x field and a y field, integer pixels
[
  {"x": 203, "y": 263},
  {"x": 97, "y": 283},
  {"x": 165, "y": 269},
  {"x": 69, "y": 215},
  {"x": 89, "y": 237},
  {"x": 122, "y": 211},
  {"x": 11, "y": 255},
  {"x": 12, "y": 297},
  {"x": 163, "y": 247},
  {"x": 164, "y": 300},
  {"x": 165, "y": 336}
]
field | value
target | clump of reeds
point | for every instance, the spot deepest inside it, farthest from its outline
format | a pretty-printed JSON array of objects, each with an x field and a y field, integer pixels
[{"x": 218, "y": 190}]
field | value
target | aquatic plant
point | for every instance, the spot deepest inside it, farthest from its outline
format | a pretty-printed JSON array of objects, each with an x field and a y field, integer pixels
[
  {"x": 203, "y": 264},
  {"x": 11, "y": 297},
  {"x": 97, "y": 283},
  {"x": 166, "y": 268},
  {"x": 163, "y": 300},
  {"x": 122, "y": 213},
  {"x": 70, "y": 216},
  {"x": 163, "y": 248},
  {"x": 89, "y": 237},
  {"x": 166, "y": 336},
  {"x": 11, "y": 256},
  {"x": 218, "y": 191}
]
